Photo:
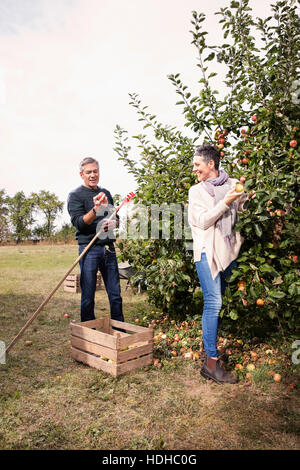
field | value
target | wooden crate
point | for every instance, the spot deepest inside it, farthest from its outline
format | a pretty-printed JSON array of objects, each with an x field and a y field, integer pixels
[
  {"x": 72, "y": 283},
  {"x": 112, "y": 351}
]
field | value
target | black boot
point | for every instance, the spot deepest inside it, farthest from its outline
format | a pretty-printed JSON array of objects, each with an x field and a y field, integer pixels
[{"x": 218, "y": 374}]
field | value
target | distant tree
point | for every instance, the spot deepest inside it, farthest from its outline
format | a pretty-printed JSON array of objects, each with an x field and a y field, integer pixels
[
  {"x": 21, "y": 210},
  {"x": 66, "y": 233},
  {"x": 4, "y": 230},
  {"x": 50, "y": 206}
]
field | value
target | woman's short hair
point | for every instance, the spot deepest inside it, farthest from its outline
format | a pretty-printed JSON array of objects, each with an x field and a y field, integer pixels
[{"x": 208, "y": 152}]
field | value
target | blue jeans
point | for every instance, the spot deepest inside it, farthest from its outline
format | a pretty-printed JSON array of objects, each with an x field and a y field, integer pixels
[
  {"x": 103, "y": 259},
  {"x": 213, "y": 290}
]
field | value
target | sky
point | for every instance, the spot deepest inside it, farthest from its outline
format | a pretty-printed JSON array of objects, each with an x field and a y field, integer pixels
[{"x": 66, "y": 70}]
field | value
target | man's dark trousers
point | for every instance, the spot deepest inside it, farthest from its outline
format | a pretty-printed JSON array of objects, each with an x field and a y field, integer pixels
[{"x": 104, "y": 259}]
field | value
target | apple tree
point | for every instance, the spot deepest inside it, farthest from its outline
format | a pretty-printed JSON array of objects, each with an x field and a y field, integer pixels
[{"x": 255, "y": 125}]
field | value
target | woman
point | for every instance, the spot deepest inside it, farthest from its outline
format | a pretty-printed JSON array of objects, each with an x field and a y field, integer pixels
[{"x": 212, "y": 214}]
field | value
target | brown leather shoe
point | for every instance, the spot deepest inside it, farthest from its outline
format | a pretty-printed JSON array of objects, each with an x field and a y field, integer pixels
[{"x": 218, "y": 375}]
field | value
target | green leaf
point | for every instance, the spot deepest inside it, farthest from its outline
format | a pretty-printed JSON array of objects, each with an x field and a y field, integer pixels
[
  {"x": 276, "y": 294},
  {"x": 233, "y": 315},
  {"x": 266, "y": 268},
  {"x": 294, "y": 289},
  {"x": 210, "y": 57},
  {"x": 258, "y": 230}
]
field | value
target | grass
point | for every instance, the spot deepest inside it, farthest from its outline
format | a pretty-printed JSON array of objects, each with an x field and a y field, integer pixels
[{"x": 49, "y": 401}]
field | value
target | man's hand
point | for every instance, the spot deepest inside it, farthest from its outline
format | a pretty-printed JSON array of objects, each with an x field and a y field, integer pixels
[
  {"x": 231, "y": 196},
  {"x": 100, "y": 200}
]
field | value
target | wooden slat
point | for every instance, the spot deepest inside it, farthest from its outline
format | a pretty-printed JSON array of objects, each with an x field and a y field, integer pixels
[
  {"x": 123, "y": 356},
  {"x": 128, "y": 326},
  {"x": 70, "y": 289},
  {"x": 93, "y": 348},
  {"x": 93, "y": 361},
  {"x": 97, "y": 323},
  {"x": 94, "y": 336},
  {"x": 135, "y": 338},
  {"x": 72, "y": 277},
  {"x": 106, "y": 324},
  {"x": 118, "y": 333},
  {"x": 135, "y": 364}
]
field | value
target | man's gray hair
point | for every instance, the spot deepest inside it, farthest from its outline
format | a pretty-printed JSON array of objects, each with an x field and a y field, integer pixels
[{"x": 87, "y": 160}]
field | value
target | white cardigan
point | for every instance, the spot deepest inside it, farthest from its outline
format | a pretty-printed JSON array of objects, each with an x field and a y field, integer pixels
[{"x": 202, "y": 217}]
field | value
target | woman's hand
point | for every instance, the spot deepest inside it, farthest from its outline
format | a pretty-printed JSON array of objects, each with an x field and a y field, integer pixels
[{"x": 231, "y": 196}]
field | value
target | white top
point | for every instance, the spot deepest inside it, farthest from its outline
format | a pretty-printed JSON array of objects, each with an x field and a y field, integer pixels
[{"x": 202, "y": 217}]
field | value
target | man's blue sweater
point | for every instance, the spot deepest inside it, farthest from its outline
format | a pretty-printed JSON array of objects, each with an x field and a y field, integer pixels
[{"x": 80, "y": 201}]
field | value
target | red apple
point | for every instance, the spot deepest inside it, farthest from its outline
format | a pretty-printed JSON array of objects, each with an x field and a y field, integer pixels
[
  {"x": 242, "y": 285},
  {"x": 293, "y": 143},
  {"x": 254, "y": 117},
  {"x": 242, "y": 179},
  {"x": 245, "y": 160}
]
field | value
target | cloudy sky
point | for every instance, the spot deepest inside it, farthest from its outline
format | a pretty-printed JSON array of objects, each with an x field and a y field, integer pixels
[{"x": 66, "y": 68}]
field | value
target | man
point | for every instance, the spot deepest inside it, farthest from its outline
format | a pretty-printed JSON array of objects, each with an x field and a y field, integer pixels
[
  {"x": 89, "y": 206},
  {"x": 212, "y": 213}
]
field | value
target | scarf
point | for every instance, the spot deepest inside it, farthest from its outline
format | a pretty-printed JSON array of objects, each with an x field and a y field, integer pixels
[{"x": 217, "y": 188}]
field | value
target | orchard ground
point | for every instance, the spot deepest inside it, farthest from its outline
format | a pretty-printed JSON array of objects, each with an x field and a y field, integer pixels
[{"x": 49, "y": 401}]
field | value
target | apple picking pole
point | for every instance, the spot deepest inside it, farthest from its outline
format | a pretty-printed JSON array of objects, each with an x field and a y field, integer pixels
[{"x": 126, "y": 199}]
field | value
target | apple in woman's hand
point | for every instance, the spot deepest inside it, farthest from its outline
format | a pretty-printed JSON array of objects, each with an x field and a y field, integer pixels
[{"x": 239, "y": 188}]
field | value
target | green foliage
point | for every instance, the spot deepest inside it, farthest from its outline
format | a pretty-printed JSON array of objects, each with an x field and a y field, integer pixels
[
  {"x": 256, "y": 127},
  {"x": 65, "y": 234}
]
